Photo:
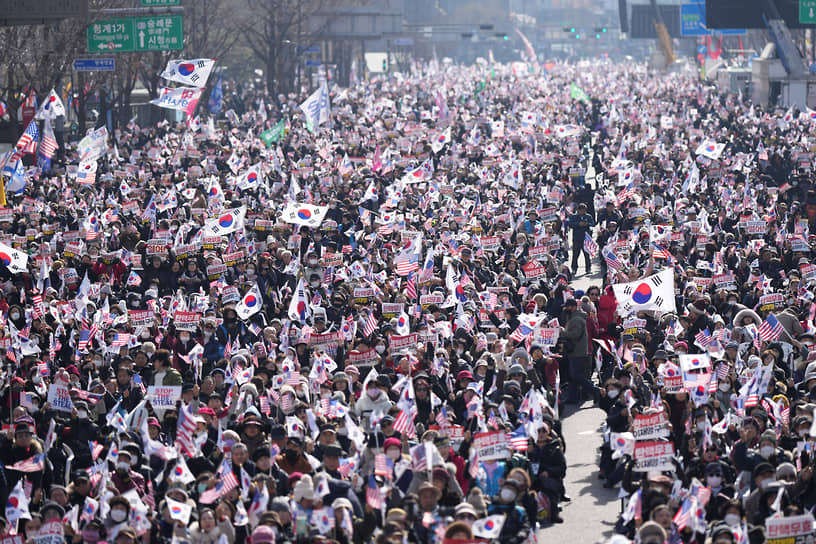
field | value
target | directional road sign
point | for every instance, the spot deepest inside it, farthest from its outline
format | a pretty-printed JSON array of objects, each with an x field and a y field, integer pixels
[
  {"x": 151, "y": 33},
  {"x": 94, "y": 65},
  {"x": 693, "y": 22},
  {"x": 807, "y": 12}
]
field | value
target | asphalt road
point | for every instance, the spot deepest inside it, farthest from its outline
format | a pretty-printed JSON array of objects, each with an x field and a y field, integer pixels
[{"x": 591, "y": 515}]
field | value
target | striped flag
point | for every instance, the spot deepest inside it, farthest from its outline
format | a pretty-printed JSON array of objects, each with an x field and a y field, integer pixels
[
  {"x": 770, "y": 329},
  {"x": 35, "y": 463},
  {"x": 370, "y": 324},
  {"x": 185, "y": 428},
  {"x": 27, "y": 143},
  {"x": 410, "y": 288},
  {"x": 374, "y": 496},
  {"x": 683, "y": 516},
  {"x": 227, "y": 483},
  {"x": 703, "y": 338},
  {"x": 612, "y": 261},
  {"x": 627, "y": 193},
  {"x": 590, "y": 246},
  {"x": 48, "y": 145},
  {"x": 121, "y": 339},
  {"x": 660, "y": 252}
]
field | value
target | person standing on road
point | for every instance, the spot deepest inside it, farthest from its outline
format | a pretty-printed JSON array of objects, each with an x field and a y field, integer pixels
[
  {"x": 581, "y": 223},
  {"x": 576, "y": 349}
]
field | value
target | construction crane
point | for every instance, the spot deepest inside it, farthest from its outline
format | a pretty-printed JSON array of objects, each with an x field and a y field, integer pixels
[{"x": 663, "y": 35}]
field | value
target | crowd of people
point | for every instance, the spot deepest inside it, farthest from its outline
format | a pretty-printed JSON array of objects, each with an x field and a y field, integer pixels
[{"x": 367, "y": 329}]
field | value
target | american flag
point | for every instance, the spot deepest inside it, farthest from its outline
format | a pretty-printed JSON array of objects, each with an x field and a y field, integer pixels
[
  {"x": 227, "y": 483},
  {"x": 518, "y": 439},
  {"x": 370, "y": 324},
  {"x": 612, "y": 260},
  {"x": 405, "y": 423},
  {"x": 39, "y": 307},
  {"x": 627, "y": 193},
  {"x": 681, "y": 519},
  {"x": 266, "y": 409},
  {"x": 35, "y": 463},
  {"x": 770, "y": 329},
  {"x": 347, "y": 465},
  {"x": 492, "y": 421},
  {"x": 374, "y": 496},
  {"x": 185, "y": 428},
  {"x": 590, "y": 246},
  {"x": 406, "y": 267},
  {"x": 121, "y": 339},
  {"x": 48, "y": 145},
  {"x": 410, "y": 288},
  {"x": 442, "y": 419},
  {"x": 28, "y": 141},
  {"x": 383, "y": 465},
  {"x": 660, "y": 252},
  {"x": 84, "y": 338},
  {"x": 722, "y": 371},
  {"x": 703, "y": 338}
]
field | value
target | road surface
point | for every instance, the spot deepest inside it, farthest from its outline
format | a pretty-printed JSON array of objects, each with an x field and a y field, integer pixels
[{"x": 591, "y": 515}]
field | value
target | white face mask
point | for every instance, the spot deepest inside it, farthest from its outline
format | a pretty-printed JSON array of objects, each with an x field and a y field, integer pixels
[
  {"x": 380, "y": 348},
  {"x": 184, "y": 338},
  {"x": 507, "y": 495},
  {"x": 700, "y": 425},
  {"x": 14, "y": 315},
  {"x": 766, "y": 451},
  {"x": 714, "y": 481},
  {"x": 724, "y": 387},
  {"x": 732, "y": 520},
  {"x": 312, "y": 262},
  {"x": 314, "y": 284},
  {"x": 613, "y": 393},
  {"x": 36, "y": 379},
  {"x": 82, "y": 414},
  {"x": 118, "y": 515},
  {"x": 373, "y": 392}
]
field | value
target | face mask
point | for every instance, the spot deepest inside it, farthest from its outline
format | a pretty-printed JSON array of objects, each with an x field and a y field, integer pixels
[
  {"x": 201, "y": 488},
  {"x": 146, "y": 335},
  {"x": 507, "y": 495},
  {"x": 732, "y": 520},
  {"x": 714, "y": 481},
  {"x": 82, "y": 414},
  {"x": 380, "y": 349},
  {"x": 184, "y": 338},
  {"x": 36, "y": 379},
  {"x": 724, "y": 387},
  {"x": 373, "y": 392},
  {"x": 14, "y": 315},
  {"x": 314, "y": 284},
  {"x": 250, "y": 271},
  {"x": 123, "y": 465},
  {"x": 393, "y": 454},
  {"x": 613, "y": 393},
  {"x": 766, "y": 451},
  {"x": 312, "y": 262},
  {"x": 118, "y": 515},
  {"x": 700, "y": 425},
  {"x": 207, "y": 335}
]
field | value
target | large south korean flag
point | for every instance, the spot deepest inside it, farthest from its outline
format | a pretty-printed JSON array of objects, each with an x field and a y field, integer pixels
[
  {"x": 654, "y": 293},
  {"x": 304, "y": 214}
]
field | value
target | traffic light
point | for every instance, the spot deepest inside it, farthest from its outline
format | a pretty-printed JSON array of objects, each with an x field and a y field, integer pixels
[
  {"x": 485, "y": 27},
  {"x": 600, "y": 29},
  {"x": 505, "y": 37},
  {"x": 385, "y": 65},
  {"x": 603, "y": 29},
  {"x": 597, "y": 36},
  {"x": 572, "y": 30},
  {"x": 577, "y": 36},
  {"x": 502, "y": 35}
]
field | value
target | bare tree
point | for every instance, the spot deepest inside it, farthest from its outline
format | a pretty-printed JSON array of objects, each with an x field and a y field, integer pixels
[{"x": 277, "y": 31}]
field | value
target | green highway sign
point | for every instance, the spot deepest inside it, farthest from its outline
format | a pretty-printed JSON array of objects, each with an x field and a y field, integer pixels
[
  {"x": 807, "y": 12},
  {"x": 151, "y": 33},
  {"x": 153, "y": 3}
]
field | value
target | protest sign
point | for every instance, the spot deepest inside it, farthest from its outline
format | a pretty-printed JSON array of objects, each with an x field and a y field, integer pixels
[
  {"x": 60, "y": 398},
  {"x": 651, "y": 426},
  {"x": 491, "y": 446},
  {"x": 653, "y": 455},
  {"x": 163, "y": 397}
]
